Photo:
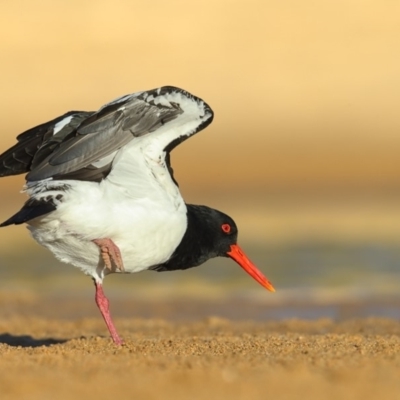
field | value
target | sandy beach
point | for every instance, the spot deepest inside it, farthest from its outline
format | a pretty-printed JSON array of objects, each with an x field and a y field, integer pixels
[{"x": 44, "y": 357}]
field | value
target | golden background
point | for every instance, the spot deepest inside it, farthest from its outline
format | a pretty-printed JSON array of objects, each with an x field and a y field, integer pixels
[{"x": 303, "y": 150}]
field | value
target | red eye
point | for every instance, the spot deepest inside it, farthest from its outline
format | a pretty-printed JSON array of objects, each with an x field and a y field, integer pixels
[{"x": 226, "y": 228}]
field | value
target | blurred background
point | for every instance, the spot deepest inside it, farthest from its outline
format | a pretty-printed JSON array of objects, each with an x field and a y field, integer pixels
[{"x": 303, "y": 150}]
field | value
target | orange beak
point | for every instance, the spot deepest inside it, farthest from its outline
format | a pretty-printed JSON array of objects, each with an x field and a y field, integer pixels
[{"x": 237, "y": 254}]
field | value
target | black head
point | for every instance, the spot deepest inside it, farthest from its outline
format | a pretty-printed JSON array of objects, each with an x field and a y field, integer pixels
[{"x": 210, "y": 233}]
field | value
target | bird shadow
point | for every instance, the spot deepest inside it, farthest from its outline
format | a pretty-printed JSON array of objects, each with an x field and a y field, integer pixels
[{"x": 28, "y": 341}]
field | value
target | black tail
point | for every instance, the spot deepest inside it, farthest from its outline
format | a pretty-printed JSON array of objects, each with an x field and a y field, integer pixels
[{"x": 32, "y": 209}]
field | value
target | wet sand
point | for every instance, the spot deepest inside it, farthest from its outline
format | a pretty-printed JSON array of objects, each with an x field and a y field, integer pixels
[{"x": 67, "y": 357}]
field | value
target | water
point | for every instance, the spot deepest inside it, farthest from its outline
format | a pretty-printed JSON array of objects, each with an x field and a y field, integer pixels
[
  {"x": 361, "y": 269},
  {"x": 313, "y": 280}
]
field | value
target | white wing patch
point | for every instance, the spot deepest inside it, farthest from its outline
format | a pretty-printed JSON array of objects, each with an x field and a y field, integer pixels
[
  {"x": 194, "y": 114},
  {"x": 59, "y": 125}
]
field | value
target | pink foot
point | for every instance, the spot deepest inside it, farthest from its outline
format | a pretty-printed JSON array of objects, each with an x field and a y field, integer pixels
[
  {"x": 103, "y": 304},
  {"x": 110, "y": 253}
]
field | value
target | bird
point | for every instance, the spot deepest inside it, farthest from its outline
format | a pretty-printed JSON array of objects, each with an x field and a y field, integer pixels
[{"x": 102, "y": 194}]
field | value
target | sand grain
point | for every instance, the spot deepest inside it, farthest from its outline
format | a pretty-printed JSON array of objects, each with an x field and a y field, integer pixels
[{"x": 208, "y": 359}]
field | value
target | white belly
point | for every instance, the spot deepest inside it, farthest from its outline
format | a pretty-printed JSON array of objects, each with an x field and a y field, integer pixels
[{"x": 146, "y": 231}]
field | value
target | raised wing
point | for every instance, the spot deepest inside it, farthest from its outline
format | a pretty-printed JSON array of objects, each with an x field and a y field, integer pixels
[
  {"x": 23, "y": 156},
  {"x": 85, "y": 150}
]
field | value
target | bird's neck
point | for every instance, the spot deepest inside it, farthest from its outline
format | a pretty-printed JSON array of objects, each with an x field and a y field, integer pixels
[{"x": 196, "y": 246}]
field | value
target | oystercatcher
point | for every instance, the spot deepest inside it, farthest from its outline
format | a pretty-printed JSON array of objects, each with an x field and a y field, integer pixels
[{"x": 102, "y": 195}]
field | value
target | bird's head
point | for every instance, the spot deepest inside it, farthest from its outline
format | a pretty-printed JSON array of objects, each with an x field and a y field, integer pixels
[
  {"x": 210, "y": 233},
  {"x": 225, "y": 235}
]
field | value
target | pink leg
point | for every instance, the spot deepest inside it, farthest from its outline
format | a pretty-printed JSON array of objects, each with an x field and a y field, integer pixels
[
  {"x": 103, "y": 304},
  {"x": 110, "y": 253}
]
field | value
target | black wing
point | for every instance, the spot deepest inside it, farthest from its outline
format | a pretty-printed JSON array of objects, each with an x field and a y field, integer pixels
[
  {"x": 104, "y": 132},
  {"x": 69, "y": 146},
  {"x": 23, "y": 156}
]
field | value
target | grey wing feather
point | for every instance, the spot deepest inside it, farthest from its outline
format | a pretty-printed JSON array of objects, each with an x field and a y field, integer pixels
[
  {"x": 103, "y": 133},
  {"x": 51, "y": 142},
  {"x": 36, "y": 143}
]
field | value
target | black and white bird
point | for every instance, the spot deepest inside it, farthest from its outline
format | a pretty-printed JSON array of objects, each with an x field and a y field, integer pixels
[{"x": 102, "y": 195}]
